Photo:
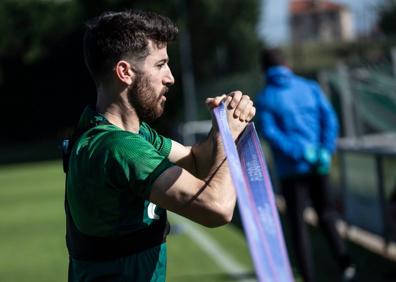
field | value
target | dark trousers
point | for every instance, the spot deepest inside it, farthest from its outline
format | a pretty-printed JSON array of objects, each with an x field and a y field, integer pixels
[{"x": 295, "y": 190}]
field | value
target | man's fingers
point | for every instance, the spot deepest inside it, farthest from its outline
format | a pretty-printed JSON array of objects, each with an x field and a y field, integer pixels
[
  {"x": 236, "y": 98},
  {"x": 240, "y": 110},
  {"x": 239, "y": 105},
  {"x": 227, "y": 101},
  {"x": 251, "y": 114},
  {"x": 214, "y": 102},
  {"x": 243, "y": 108},
  {"x": 218, "y": 99}
]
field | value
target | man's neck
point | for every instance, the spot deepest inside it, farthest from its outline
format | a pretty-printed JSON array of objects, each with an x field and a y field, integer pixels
[{"x": 118, "y": 111}]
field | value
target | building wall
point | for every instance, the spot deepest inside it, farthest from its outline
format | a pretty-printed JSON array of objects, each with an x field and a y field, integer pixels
[
  {"x": 347, "y": 29},
  {"x": 323, "y": 26}
]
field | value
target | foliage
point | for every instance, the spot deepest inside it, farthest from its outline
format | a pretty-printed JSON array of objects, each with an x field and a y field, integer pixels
[
  {"x": 387, "y": 18},
  {"x": 27, "y": 27},
  {"x": 224, "y": 38},
  {"x": 44, "y": 82}
]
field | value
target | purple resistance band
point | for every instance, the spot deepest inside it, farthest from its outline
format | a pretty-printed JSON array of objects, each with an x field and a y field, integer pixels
[{"x": 256, "y": 202}]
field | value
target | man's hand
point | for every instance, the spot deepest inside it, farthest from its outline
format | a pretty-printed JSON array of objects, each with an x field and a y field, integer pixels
[
  {"x": 200, "y": 186},
  {"x": 241, "y": 105},
  {"x": 311, "y": 154},
  {"x": 324, "y": 161},
  {"x": 240, "y": 110}
]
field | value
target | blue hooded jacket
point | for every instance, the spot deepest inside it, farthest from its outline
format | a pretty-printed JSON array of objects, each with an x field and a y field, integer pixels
[{"x": 293, "y": 115}]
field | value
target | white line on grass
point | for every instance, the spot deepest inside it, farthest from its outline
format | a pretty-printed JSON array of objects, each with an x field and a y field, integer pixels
[{"x": 207, "y": 244}]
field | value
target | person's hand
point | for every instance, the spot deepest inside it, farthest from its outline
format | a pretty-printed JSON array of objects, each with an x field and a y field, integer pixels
[
  {"x": 324, "y": 161},
  {"x": 214, "y": 102},
  {"x": 311, "y": 154},
  {"x": 242, "y": 106},
  {"x": 239, "y": 107}
]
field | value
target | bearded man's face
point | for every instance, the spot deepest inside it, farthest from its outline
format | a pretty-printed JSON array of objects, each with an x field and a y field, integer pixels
[
  {"x": 152, "y": 81},
  {"x": 148, "y": 103}
]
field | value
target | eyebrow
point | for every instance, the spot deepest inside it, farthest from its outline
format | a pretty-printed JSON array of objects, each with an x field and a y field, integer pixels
[{"x": 165, "y": 60}]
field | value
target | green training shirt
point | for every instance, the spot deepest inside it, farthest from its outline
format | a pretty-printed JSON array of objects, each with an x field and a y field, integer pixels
[{"x": 111, "y": 172}]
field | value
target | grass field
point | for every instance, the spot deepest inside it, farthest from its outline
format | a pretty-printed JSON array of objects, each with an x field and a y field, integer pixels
[{"x": 32, "y": 228}]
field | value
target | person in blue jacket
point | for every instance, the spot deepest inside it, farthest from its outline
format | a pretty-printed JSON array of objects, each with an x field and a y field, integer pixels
[{"x": 299, "y": 124}]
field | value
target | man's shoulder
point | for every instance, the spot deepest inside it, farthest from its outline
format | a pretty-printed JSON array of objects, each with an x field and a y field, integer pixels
[
  {"x": 306, "y": 81},
  {"x": 116, "y": 138},
  {"x": 266, "y": 97},
  {"x": 109, "y": 137}
]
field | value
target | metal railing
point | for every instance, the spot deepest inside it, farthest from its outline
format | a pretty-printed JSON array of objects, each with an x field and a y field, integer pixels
[{"x": 378, "y": 147}]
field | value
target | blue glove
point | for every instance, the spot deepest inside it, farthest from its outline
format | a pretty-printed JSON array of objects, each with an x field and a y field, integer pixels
[
  {"x": 324, "y": 161},
  {"x": 311, "y": 154}
]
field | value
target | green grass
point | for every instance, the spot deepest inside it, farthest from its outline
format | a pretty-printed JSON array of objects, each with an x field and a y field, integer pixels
[
  {"x": 32, "y": 223},
  {"x": 33, "y": 228},
  {"x": 32, "y": 246}
]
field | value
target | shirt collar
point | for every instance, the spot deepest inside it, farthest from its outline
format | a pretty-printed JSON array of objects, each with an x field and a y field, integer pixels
[{"x": 91, "y": 118}]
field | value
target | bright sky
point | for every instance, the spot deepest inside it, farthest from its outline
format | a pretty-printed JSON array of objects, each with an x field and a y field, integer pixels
[{"x": 273, "y": 26}]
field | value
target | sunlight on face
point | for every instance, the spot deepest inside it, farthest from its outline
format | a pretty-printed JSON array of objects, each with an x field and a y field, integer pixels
[
  {"x": 152, "y": 82},
  {"x": 144, "y": 99}
]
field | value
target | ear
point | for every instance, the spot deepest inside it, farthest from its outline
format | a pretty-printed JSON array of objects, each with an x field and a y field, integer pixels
[{"x": 124, "y": 72}]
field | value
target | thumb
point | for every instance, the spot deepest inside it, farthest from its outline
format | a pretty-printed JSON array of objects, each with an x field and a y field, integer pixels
[{"x": 214, "y": 102}]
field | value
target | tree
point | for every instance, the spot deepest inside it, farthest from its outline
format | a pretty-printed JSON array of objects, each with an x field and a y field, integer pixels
[
  {"x": 224, "y": 38},
  {"x": 387, "y": 18},
  {"x": 44, "y": 82},
  {"x": 27, "y": 27}
]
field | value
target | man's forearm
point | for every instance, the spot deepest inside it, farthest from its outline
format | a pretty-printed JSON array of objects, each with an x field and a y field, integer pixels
[
  {"x": 203, "y": 154},
  {"x": 200, "y": 186},
  {"x": 218, "y": 175},
  {"x": 209, "y": 199}
]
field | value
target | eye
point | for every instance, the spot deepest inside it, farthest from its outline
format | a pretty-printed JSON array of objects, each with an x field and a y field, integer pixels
[{"x": 161, "y": 65}]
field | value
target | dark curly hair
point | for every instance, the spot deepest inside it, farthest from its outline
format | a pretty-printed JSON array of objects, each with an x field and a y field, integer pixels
[{"x": 114, "y": 36}]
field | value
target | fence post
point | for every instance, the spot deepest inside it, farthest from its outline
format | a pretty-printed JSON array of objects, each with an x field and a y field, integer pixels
[
  {"x": 343, "y": 184},
  {"x": 188, "y": 82},
  {"x": 323, "y": 79},
  {"x": 381, "y": 195},
  {"x": 393, "y": 56},
  {"x": 347, "y": 108}
]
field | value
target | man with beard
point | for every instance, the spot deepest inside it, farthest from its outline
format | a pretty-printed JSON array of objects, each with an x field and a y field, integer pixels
[{"x": 122, "y": 175}]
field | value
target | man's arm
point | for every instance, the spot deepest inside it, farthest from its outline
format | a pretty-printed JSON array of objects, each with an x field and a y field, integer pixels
[
  {"x": 328, "y": 121},
  {"x": 271, "y": 131},
  {"x": 198, "y": 159},
  {"x": 277, "y": 138},
  {"x": 190, "y": 157},
  {"x": 209, "y": 201}
]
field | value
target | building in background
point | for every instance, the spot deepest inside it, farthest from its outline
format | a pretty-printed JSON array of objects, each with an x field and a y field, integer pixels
[{"x": 320, "y": 21}]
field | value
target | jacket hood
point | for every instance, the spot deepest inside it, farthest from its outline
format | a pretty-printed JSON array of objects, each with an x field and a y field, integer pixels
[{"x": 279, "y": 75}]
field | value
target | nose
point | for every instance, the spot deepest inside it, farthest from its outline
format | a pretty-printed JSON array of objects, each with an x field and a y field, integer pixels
[{"x": 169, "y": 80}]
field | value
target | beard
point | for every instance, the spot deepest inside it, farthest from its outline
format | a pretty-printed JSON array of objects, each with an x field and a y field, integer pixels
[{"x": 144, "y": 100}]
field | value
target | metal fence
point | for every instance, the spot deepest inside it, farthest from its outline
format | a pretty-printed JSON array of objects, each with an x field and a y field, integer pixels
[{"x": 365, "y": 98}]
